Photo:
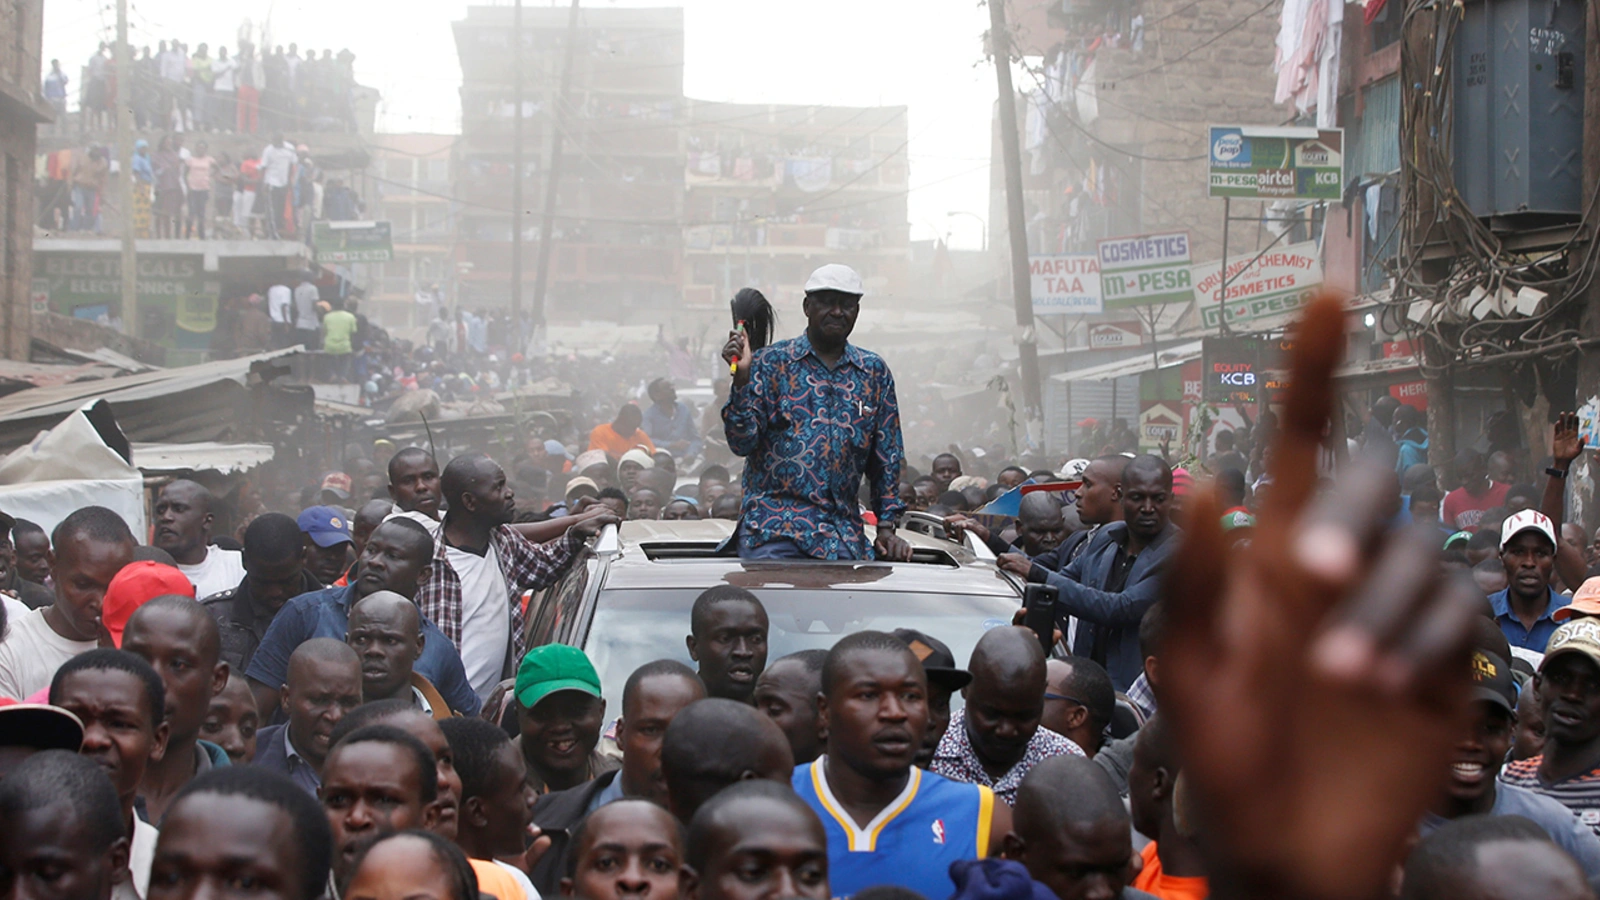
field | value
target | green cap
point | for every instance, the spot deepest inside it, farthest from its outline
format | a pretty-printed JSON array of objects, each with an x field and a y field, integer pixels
[
  {"x": 1461, "y": 537},
  {"x": 551, "y": 668},
  {"x": 1238, "y": 519}
]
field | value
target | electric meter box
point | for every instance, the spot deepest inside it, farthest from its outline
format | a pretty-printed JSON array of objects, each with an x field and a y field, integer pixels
[{"x": 1518, "y": 109}]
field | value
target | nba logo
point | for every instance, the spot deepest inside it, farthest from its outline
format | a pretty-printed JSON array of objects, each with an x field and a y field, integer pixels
[{"x": 938, "y": 831}]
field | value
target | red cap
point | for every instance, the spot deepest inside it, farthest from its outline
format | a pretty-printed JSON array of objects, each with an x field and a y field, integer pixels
[
  {"x": 1182, "y": 482},
  {"x": 137, "y": 583}
]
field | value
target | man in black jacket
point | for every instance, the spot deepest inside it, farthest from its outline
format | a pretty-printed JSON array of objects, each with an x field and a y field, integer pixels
[
  {"x": 1117, "y": 577},
  {"x": 274, "y": 572},
  {"x": 653, "y": 695}
]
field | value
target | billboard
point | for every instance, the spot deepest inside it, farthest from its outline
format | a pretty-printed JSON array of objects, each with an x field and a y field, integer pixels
[
  {"x": 1115, "y": 335},
  {"x": 1264, "y": 292},
  {"x": 1066, "y": 283},
  {"x": 1145, "y": 270},
  {"x": 1276, "y": 163},
  {"x": 348, "y": 242}
]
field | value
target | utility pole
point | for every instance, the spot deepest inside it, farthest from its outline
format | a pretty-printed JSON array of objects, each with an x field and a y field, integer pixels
[
  {"x": 1581, "y": 481},
  {"x": 553, "y": 176},
  {"x": 1016, "y": 224},
  {"x": 516, "y": 174},
  {"x": 124, "y": 98}
]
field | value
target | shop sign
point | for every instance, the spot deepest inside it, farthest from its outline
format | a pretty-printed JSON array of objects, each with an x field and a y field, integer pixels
[
  {"x": 1276, "y": 163},
  {"x": 1265, "y": 291},
  {"x": 1068, "y": 283},
  {"x": 1114, "y": 335},
  {"x": 1145, "y": 270},
  {"x": 352, "y": 242}
]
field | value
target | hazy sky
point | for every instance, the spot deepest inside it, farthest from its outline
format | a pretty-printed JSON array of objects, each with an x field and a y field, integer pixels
[{"x": 925, "y": 54}]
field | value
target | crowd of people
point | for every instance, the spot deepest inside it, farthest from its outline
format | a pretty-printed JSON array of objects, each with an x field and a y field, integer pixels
[
  {"x": 1284, "y": 683},
  {"x": 255, "y": 90},
  {"x": 182, "y": 190}
]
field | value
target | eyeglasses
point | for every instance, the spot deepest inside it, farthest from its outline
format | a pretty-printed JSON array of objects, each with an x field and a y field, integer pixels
[{"x": 1074, "y": 700}]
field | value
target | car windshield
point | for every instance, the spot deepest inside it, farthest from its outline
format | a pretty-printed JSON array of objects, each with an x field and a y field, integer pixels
[{"x": 633, "y": 627}]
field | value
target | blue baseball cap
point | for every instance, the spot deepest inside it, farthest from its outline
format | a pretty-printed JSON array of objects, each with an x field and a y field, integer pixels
[{"x": 325, "y": 525}]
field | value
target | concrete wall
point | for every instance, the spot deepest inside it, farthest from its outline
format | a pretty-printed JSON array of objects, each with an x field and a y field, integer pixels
[{"x": 21, "y": 110}]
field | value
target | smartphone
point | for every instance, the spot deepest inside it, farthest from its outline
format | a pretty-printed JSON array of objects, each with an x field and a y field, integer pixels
[{"x": 1039, "y": 605}]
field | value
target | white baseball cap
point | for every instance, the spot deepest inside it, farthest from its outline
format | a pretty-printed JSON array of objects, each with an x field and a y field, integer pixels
[
  {"x": 1073, "y": 469},
  {"x": 1527, "y": 520},
  {"x": 836, "y": 277}
]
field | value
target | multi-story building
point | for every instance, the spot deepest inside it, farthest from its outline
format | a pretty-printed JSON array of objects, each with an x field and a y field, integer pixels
[
  {"x": 619, "y": 203},
  {"x": 22, "y": 109},
  {"x": 775, "y": 191},
  {"x": 411, "y": 179}
]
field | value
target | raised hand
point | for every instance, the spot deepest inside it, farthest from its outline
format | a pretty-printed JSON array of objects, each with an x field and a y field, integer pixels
[
  {"x": 1317, "y": 677},
  {"x": 1566, "y": 443}
]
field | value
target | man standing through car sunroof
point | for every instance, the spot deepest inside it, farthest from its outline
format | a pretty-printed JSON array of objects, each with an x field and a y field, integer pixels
[{"x": 811, "y": 416}]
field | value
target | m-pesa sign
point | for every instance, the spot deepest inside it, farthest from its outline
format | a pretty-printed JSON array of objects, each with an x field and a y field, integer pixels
[
  {"x": 1262, "y": 292},
  {"x": 1146, "y": 270}
]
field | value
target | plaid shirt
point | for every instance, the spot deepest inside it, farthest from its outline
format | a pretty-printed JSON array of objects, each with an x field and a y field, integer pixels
[
  {"x": 526, "y": 566},
  {"x": 955, "y": 759},
  {"x": 1142, "y": 696}
]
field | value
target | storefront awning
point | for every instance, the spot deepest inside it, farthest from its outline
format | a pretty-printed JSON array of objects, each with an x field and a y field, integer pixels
[{"x": 1175, "y": 355}]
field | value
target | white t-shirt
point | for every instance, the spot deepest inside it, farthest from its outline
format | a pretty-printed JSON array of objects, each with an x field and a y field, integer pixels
[
  {"x": 222, "y": 570},
  {"x": 279, "y": 298},
  {"x": 485, "y": 617},
  {"x": 15, "y": 610},
  {"x": 521, "y": 879},
  {"x": 31, "y": 654},
  {"x": 141, "y": 854},
  {"x": 433, "y": 525}
]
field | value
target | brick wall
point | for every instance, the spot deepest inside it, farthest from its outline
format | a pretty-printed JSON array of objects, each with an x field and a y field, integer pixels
[{"x": 1186, "y": 78}]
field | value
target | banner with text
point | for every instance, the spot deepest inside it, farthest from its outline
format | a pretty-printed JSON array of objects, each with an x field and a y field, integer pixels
[
  {"x": 1068, "y": 283},
  {"x": 1276, "y": 163},
  {"x": 1263, "y": 293},
  {"x": 1146, "y": 270}
]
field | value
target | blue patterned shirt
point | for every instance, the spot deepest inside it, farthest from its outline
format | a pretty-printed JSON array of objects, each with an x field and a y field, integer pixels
[{"x": 808, "y": 434}]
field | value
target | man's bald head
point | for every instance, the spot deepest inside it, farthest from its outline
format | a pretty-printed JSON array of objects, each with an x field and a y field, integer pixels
[
  {"x": 1070, "y": 830},
  {"x": 389, "y": 608},
  {"x": 1009, "y": 657},
  {"x": 1005, "y": 702},
  {"x": 176, "y": 607},
  {"x": 192, "y": 492},
  {"x": 713, "y": 743},
  {"x": 1065, "y": 792},
  {"x": 1148, "y": 469},
  {"x": 1038, "y": 506},
  {"x": 321, "y": 651}
]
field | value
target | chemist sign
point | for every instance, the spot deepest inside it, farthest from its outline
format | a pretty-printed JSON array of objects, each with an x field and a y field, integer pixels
[
  {"x": 1146, "y": 270},
  {"x": 1065, "y": 284},
  {"x": 1265, "y": 290},
  {"x": 1276, "y": 163}
]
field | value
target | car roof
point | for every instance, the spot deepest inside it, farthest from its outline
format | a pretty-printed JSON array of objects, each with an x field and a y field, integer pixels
[{"x": 681, "y": 554}]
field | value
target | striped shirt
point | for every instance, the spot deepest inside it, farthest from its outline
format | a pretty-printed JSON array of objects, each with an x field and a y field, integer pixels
[{"x": 1580, "y": 793}]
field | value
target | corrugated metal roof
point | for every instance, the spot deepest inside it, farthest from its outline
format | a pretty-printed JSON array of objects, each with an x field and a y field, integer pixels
[
  {"x": 63, "y": 399},
  {"x": 204, "y": 456},
  {"x": 1133, "y": 365}
]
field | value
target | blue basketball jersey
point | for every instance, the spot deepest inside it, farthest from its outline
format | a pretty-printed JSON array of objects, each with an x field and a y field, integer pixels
[{"x": 911, "y": 843}]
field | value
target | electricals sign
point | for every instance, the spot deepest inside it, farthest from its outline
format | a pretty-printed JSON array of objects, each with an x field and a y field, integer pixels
[
  {"x": 1065, "y": 284},
  {"x": 1146, "y": 270},
  {"x": 1231, "y": 369},
  {"x": 1276, "y": 163}
]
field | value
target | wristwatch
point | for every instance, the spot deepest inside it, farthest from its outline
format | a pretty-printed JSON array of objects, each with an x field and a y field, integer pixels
[{"x": 1554, "y": 472}]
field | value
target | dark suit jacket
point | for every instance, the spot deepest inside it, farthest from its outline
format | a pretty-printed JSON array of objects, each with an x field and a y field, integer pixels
[
  {"x": 1116, "y": 615},
  {"x": 557, "y": 814}
]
